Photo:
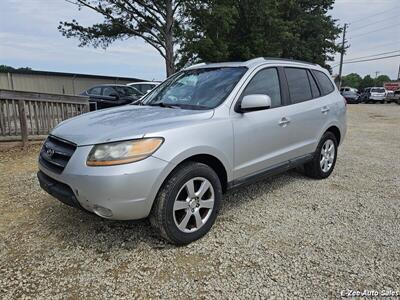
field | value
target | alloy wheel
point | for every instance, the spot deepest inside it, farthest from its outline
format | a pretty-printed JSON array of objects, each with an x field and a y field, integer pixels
[
  {"x": 193, "y": 204},
  {"x": 327, "y": 155}
]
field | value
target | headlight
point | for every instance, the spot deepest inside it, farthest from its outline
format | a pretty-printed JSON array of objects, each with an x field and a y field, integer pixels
[{"x": 118, "y": 153}]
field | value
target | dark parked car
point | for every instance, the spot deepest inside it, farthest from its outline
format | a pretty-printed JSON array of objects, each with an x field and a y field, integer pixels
[
  {"x": 110, "y": 95},
  {"x": 351, "y": 97}
]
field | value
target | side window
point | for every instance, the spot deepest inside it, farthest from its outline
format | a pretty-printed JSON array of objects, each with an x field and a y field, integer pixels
[
  {"x": 325, "y": 83},
  {"x": 299, "y": 86},
  {"x": 138, "y": 87},
  {"x": 265, "y": 82},
  {"x": 108, "y": 91},
  {"x": 95, "y": 91},
  {"x": 147, "y": 87},
  {"x": 314, "y": 86}
]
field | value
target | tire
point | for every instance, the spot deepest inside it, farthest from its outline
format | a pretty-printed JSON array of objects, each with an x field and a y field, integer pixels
[
  {"x": 174, "y": 206},
  {"x": 313, "y": 168}
]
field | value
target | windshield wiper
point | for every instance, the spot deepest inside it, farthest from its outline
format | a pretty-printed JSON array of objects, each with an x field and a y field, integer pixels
[{"x": 162, "y": 104}]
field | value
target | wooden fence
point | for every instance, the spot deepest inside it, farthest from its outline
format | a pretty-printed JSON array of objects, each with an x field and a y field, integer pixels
[{"x": 28, "y": 116}]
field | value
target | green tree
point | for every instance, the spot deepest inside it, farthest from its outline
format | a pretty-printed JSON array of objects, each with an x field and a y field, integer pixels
[
  {"x": 155, "y": 21},
  {"x": 352, "y": 80},
  {"x": 5, "y": 68},
  {"x": 367, "y": 81},
  {"x": 381, "y": 79},
  {"x": 242, "y": 29}
]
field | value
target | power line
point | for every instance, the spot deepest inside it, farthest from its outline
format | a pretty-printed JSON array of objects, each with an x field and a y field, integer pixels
[
  {"x": 372, "y": 31},
  {"x": 373, "y": 23},
  {"x": 364, "y": 60},
  {"x": 372, "y": 55},
  {"x": 371, "y": 59},
  {"x": 373, "y": 15},
  {"x": 385, "y": 44}
]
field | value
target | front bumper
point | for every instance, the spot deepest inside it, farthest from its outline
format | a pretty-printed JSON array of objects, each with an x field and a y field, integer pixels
[
  {"x": 58, "y": 190},
  {"x": 128, "y": 191},
  {"x": 352, "y": 100}
]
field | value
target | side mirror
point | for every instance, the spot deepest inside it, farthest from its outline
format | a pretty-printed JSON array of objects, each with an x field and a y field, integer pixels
[{"x": 254, "y": 102}]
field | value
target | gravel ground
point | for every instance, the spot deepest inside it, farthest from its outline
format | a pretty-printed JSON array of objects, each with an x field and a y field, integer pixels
[{"x": 287, "y": 236}]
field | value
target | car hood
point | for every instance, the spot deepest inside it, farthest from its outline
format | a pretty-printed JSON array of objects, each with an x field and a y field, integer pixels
[{"x": 125, "y": 122}]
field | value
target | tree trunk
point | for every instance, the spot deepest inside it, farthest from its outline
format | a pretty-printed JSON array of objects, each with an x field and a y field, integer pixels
[{"x": 169, "y": 40}]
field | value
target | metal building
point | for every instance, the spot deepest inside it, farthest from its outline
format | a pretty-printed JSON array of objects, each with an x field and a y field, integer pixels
[{"x": 56, "y": 82}]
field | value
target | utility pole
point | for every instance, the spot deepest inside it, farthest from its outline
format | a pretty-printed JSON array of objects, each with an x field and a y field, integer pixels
[
  {"x": 342, "y": 54},
  {"x": 398, "y": 74},
  {"x": 376, "y": 73}
]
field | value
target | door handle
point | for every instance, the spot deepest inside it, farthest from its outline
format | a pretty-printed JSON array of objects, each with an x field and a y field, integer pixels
[
  {"x": 325, "y": 109},
  {"x": 284, "y": 121}
]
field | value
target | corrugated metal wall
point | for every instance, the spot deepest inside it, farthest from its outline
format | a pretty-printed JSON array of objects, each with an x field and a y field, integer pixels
[{"x": 71, "y": 85}]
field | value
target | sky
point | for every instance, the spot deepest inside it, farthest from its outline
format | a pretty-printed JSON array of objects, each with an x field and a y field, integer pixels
[{"x": 29, "y": 37}]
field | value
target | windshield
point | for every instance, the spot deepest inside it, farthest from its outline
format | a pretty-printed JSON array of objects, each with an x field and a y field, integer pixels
[
  {"x": 377, "y": 90},
  {"x": 196, "y": 89}
]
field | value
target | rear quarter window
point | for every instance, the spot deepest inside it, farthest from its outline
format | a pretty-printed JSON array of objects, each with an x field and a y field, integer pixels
[
  {"x": 325, "y": 84},
  {"x": 314, "y": 87}
]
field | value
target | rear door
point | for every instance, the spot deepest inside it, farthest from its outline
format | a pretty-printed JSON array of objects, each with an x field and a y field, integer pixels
[
  {"x": 308, "y": 111},
  {"x": 109, "y": 97}
]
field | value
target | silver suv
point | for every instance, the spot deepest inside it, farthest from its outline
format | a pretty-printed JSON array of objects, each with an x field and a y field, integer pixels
[{"x": 204, "y": 130}]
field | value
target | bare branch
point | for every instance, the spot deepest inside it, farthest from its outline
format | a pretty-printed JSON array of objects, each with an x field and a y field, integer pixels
[{"x": 145, "y": 18}]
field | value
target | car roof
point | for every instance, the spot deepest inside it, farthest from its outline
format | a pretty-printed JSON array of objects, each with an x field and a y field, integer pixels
[
  {"x": 254, "y": 63},
  {"x": 109, "y": 84},
  {"x": 144, "y": 82}
]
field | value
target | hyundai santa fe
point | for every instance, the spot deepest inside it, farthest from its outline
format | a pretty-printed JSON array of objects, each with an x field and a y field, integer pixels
[{"x": 204, "y": 130}]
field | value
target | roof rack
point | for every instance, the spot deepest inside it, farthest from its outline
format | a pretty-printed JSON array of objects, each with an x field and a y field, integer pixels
[
  {"x": 197, "y": 65},
  {"x": 290, "y": 60},
  {"x": 254, "y": 60}
]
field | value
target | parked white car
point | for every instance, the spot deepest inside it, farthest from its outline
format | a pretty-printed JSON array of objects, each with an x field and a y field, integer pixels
[{"x": 377, "y": 94}]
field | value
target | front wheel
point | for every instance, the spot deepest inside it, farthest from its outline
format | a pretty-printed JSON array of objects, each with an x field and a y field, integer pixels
[
  {"x": 187, "y": 204},
  {"x": 324, "y": 158}
]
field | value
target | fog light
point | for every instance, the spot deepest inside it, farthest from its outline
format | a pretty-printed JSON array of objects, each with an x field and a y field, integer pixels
[{"x": 102, "y": 211}]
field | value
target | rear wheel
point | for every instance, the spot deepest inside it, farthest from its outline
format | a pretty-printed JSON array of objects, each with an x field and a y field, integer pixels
[
  {"x": 187, "y": 204},
  {"x": 324, "y": 158}
]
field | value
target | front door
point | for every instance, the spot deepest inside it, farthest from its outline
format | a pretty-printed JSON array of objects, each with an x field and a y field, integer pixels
[{"x": 261, "y": 137}]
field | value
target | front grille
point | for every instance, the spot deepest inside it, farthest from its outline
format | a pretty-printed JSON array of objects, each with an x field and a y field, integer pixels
[{"x": 56, "y": 153}]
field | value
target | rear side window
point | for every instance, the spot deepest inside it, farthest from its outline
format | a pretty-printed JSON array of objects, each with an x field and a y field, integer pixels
[
  {"x": 140, "y": 87},
  {"x": 108, "y": 91},
  {"x": 299, "y": 86},
  {"x": 95, "y": 91},
  {"x": 325, "y": 83},
  {"x": 265, "y": 82},
  {"x": 147, "y": 87},
  {"x": 314, "y": 86}
]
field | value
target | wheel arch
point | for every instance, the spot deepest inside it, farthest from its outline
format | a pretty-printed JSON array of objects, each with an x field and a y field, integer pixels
[
  {"x": 336, "y": 131},
  {"x": 214, "y": 163}
]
